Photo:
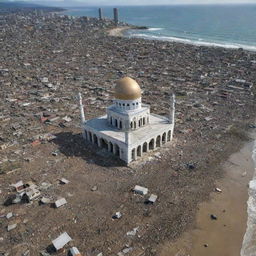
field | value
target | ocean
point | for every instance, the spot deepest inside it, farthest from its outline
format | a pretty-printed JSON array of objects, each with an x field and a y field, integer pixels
[{"x": 230, "y": 26}]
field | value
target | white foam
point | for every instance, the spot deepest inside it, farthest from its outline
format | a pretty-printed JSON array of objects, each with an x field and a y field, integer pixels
[
  {"x": 155, "y": 29},
  {"x": 199, "y": 42},
  {"x": 249, "y": 242}
]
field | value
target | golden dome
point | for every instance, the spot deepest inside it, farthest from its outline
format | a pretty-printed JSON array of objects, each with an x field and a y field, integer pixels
[{"x": 127, "y": 89}]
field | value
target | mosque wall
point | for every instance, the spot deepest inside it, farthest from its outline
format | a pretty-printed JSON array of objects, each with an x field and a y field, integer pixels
[{"x": 128, "y": 152}]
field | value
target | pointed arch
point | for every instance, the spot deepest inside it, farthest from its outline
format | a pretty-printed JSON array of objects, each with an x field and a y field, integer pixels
[
  {"x": 164, "y": 139},
  {"x": 152, "y": 144},
  {"x": 158, "y": 141},
  {"x": 145, "y": 147}
]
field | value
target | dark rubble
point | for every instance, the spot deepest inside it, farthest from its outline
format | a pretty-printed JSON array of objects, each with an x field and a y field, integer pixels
[{"x": 45, "y": 60}]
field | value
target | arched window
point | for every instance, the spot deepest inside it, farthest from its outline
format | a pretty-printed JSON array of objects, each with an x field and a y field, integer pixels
[
  {"x": 158, "y": 141},
  {"x": 164, "y": 138},
  {"x": 145, "y": 147},
  {"x": 139, "y": 151},
  {"x": 151, "y": 144},
  {"x": 133, "y": 154}
]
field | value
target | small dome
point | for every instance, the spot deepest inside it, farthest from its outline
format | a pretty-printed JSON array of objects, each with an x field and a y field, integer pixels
[{"x": 127, "y": 89}]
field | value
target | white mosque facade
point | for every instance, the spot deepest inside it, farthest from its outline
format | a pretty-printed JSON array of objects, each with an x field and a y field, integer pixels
[{"x": 128, "y": 130}]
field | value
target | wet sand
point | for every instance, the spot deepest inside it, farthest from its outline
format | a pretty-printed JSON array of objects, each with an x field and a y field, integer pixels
[{"x": 223, "y": 236}]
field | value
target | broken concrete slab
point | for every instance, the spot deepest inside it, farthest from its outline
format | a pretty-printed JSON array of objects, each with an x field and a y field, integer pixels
[
  {"x": 60, "y": 202},
  {"x": 19, "y": 186},
  {"x": 30, "y": 194},
  {"x": 64, "y": 181},
  {"x": 74, "y": 251},
  {"x": 132, "y": 232},
  {"x": 117, "y": 215},
  {"x": 140, "y": 190},
  {"x": 11, "y": 226},
  {"x": 9, "y": 215},
  {"x": 45, "y": 200},
  {"x": 152, "y": 198},
  {"x": 61, "y": 241}
]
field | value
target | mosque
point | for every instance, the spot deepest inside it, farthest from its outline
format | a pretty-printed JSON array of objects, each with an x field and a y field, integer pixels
[{"x": 128, "y": 130}]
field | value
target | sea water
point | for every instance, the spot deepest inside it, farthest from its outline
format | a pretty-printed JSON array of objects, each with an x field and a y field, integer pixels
[
  {"x": 249, "y": 242},
  {"x": 230, "y": 26}
]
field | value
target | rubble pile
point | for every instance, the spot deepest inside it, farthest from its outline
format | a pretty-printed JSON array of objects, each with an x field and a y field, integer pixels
[{"x": 45, "y": 60}]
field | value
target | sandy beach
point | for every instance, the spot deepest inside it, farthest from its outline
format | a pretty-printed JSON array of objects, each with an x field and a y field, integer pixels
[
  {"x": 223, "y": 236},
  {"x": 119, "y": 31}
]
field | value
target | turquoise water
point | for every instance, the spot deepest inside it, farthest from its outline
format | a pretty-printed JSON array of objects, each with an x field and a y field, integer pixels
[{"x": 231, "y": 26}]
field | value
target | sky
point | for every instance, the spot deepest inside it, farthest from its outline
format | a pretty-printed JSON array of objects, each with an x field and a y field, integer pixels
[{"x": 135, "y": 2}]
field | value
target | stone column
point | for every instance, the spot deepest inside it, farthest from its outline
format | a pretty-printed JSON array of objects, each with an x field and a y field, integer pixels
[
  {"x": 99, "y": 143},
  {"x": 114, "y": 149},
  {"x": 141, "y": 150},
  {"x": 154, "y": 144},
  {"x": 135, "y": 154}
]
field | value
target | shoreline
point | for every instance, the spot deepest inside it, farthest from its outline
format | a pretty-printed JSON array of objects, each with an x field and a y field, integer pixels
[
  {"x": 224, "y": 236},
  {"x": 120, "y": 32}
]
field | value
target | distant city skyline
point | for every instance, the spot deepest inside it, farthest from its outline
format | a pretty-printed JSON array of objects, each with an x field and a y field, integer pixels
[{"x": 134, "y": 2}]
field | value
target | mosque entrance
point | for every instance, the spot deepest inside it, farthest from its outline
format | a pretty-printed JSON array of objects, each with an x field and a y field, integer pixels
[
  {"x": 133, "y": 154},
  {"x": 151, "y": 144},
  {"x": 139, "y": 151},
  {"x": 164, "y": 138},
  {"x": 117, "y": 150},
  {"x": 95, "y": 139},
  {"x": 104, "y": 144},
  {"x": 158, "y": 140},
  {"x": 145, "y": 145}
]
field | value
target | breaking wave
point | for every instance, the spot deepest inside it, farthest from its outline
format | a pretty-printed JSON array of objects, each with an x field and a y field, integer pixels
[
  {"x": 155, "y": 29},
  {"x": 198, "y": 42},
  {"x": 249, "y": 242}
]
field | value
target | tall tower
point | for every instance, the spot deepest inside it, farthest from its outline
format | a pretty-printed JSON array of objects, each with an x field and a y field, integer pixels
[
  {"x": 81, "y": 108},
  {"x": 172, "y": 109}
]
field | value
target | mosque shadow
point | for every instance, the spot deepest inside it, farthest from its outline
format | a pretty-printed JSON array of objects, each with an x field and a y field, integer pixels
[{"x": 74, "y": 145}]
